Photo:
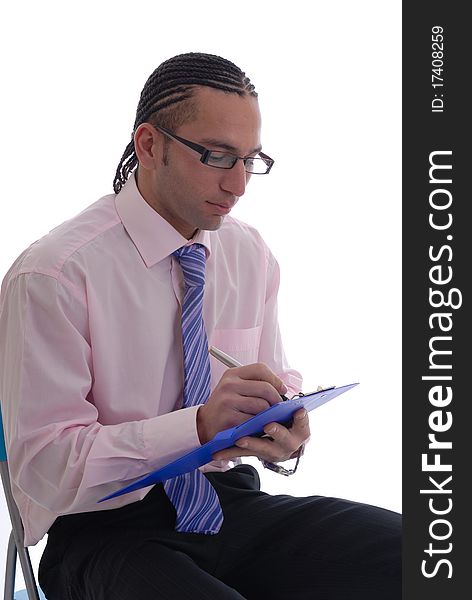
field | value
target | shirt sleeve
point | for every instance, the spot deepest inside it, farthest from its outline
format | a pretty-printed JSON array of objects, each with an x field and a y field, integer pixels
[
  {"x": 271, "y": 351},
  {"x": 60, "y": 455}
]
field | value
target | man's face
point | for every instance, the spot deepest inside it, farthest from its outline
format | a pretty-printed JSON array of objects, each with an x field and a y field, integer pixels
[{"x": 189, "y": 194}]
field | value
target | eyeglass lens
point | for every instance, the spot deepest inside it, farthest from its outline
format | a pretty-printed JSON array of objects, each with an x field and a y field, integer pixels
[{"x": 226, "y": 161}]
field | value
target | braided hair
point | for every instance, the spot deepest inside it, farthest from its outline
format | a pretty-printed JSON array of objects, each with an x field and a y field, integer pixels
[{"x": 167, "y": 96}]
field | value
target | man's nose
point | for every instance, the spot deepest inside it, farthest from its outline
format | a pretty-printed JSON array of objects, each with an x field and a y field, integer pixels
[{"x": 235, "y": 180}]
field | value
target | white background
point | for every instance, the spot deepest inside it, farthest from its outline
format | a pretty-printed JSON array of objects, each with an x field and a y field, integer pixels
[{"x": 328, "y": 78}]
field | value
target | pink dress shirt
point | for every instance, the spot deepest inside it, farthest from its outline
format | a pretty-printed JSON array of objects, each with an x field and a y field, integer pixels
[{"x": 91, "y": 355}]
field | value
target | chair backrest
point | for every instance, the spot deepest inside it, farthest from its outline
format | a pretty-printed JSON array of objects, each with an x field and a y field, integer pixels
[
  {"x": 3, "y": 450},
  {"x": 16, "y": 544}
]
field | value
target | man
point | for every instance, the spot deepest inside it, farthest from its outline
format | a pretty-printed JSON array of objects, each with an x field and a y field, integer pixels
[{"x": 105, "y": 371}]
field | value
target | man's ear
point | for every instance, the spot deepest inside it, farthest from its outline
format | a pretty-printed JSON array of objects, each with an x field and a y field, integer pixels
[{"x": 148, "y": 146}]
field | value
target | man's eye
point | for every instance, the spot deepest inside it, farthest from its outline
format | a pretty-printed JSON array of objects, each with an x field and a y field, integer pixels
[{"x": 220, "y": 158}]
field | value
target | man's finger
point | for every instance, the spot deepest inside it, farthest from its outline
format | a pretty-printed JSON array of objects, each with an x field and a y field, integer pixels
[{"x": 261, "y": 372}]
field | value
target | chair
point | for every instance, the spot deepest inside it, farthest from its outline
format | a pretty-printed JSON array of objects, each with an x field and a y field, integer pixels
[{"x": 16, "y": 542}]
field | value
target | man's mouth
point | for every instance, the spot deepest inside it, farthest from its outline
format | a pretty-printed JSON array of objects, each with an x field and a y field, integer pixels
[{"x": 221, "y": 209}]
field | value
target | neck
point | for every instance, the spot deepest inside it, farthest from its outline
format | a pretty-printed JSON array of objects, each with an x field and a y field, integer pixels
[{"x": 146, "y": 190}]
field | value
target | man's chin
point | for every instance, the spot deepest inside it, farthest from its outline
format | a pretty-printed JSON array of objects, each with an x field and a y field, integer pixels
[{"x": 213, "y": 224}]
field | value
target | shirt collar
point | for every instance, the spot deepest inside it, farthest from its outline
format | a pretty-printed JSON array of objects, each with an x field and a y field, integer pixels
[{"x": 153, "y": 236}]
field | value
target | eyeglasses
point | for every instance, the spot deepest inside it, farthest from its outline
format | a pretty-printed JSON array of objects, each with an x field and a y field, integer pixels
[{"x": 256, "y": 165}]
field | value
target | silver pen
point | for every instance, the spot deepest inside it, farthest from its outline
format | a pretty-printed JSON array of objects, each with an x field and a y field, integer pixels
[
  {"x": 229, "y": 361},
  {"x": 224, "y": 358}
]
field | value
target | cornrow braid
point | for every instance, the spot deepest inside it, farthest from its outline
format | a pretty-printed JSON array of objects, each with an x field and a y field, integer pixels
[{"x": 168, "y": 91}]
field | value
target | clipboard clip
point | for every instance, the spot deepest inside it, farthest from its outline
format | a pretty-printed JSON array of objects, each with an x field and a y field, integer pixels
[{"x": 318, "y": 389}]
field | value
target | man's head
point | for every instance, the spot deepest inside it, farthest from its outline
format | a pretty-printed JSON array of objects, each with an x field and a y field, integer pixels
[{"x": 206, "y": 100}]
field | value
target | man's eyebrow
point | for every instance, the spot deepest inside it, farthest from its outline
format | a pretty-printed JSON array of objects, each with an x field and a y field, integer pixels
[{"x": 219, "y": 144}]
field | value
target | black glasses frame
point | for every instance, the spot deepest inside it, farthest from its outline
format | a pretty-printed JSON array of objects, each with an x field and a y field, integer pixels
[{"x": 205, "y": 153}]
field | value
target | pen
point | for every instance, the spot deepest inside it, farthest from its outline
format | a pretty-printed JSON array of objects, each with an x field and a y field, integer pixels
[
  {"x": 224, "y": 358},
  {"x": 229, "y": 361}
]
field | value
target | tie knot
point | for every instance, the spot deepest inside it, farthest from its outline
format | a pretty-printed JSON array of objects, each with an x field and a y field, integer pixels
[{"x": 192, "y": 260}]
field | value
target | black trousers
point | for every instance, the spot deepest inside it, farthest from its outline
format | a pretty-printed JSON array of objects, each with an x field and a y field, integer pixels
[{"x": 275, "y": 547}]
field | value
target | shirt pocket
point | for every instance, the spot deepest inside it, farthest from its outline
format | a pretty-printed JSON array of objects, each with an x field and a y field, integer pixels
[{"x": 240, "y": 344}]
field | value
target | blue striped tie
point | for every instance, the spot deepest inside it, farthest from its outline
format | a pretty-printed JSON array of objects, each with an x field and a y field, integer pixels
[{"x": 194, "y": 498}]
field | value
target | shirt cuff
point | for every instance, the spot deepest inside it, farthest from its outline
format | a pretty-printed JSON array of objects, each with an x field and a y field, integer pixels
[{"x": 169, "y": 436}]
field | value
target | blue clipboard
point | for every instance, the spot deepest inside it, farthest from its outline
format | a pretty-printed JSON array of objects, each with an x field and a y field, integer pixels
[{"x": 279, "y": 413}]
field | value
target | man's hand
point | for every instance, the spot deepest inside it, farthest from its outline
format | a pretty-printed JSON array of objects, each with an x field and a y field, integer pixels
[
  {"x": 241, "y": 393},
  {"x": 281, "y": 444}
]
